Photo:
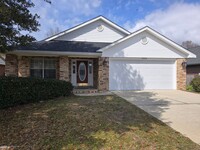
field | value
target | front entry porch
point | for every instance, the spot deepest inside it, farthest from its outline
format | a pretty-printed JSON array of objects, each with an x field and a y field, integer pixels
[
  {"x": 82, "y": 72},
  {"x": 87, "y": 74},
  {"x": 90, "y": 73},
  {"x": 84, "y": 75}
]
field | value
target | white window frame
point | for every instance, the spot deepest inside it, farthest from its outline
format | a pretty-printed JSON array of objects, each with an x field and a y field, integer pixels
[
  {"x": 90, "y": 75},
  {"x": 43, "y": 68}
]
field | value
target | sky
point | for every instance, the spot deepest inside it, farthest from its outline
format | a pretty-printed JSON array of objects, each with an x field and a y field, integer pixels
[{"x": 178, "y": 20}]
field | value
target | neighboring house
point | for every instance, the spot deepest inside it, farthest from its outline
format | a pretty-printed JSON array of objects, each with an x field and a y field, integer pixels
[
  {"x": 193, "y": 65},
  {"x": 2, "y": 65},
  {"x": 102, "y": 55}
]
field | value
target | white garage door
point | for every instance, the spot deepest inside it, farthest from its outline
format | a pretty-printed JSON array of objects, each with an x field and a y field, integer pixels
[{"x": 141, "y": 74}]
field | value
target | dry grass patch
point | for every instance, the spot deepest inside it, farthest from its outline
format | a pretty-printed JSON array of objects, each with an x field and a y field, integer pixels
[{"x": 100, "y": 122}]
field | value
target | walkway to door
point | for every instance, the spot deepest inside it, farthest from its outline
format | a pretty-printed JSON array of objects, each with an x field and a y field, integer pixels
[{"x": 178, "y": 109}]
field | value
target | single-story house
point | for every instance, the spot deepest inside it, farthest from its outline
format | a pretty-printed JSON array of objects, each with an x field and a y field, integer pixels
[
  {"x": 102, "y": 55},
  {"x": 193, "y": 65},
  {"x": 2, "y": 65}
]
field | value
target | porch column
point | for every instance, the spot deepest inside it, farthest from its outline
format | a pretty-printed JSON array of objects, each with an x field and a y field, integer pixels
[
  {"x": 24, "y": 67},
  {"x": 181, "y": 74},
  {"x": 103, "y": 73},
  {"x": 64, "y": 68},
  {"x": 11, "y": 65}
]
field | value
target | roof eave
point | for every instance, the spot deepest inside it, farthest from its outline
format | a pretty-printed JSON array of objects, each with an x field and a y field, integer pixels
[
  {"x": 193, "y": 64},
  {"x": 86, "y": 23},
  {"x": 171, "y": 43},
  {"x": 53, "y": 53},
  {"x": 158, "y": 35},
  {"x": 122, "y": 39}
]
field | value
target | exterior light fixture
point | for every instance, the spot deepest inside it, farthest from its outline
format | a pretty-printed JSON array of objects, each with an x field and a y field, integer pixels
[{"x": 184, "y": 64}]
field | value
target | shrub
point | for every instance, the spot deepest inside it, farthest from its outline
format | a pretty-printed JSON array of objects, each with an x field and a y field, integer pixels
[
  {"x": 15, "y": 91},
  {"x": 195, "y": 83},
  {"x": 189, "y": 88}
]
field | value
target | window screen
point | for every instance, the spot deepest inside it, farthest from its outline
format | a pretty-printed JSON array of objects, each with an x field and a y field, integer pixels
[{"x": 43, "y": 68}]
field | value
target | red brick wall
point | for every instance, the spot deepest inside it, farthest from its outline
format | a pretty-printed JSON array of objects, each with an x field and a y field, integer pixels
[
  {"x": 11, "y": 67},
  {"x": 64, "y": 68},
  {"x": 24, "y": 66},
  {"x": 181, "y": 75},
  {"x": 2, "y": 70},
  {"x": 103, "y": 74},
  {"x": 20, "y": 66}
]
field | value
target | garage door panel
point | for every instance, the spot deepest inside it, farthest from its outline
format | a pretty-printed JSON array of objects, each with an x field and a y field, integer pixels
[{"x": 141, "y": 74}]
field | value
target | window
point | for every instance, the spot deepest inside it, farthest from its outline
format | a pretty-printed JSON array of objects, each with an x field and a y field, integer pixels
[
  {"x": 36, "y": 68},
  {"x": 50, "y": 68},
  {"x": 82, "y": 71},
  {"x": 43, "y": 68}
]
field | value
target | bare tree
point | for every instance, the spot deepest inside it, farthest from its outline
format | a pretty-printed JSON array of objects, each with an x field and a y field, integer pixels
[
  {"x": 53, "y": 31},
  {"x": 189, "y": 44}
]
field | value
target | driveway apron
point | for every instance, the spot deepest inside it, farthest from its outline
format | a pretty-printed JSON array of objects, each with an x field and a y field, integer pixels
[{"x": 178, "y": 109}]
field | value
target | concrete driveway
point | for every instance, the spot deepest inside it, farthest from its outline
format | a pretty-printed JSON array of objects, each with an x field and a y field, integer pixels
[{"x": 178, "y": 109}]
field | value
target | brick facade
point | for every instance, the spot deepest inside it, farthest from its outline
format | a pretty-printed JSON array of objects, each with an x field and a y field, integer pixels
[
  {"x": 103, "y": 74},
  {"x": 24, "y": 67},
  {"x": 21, "y": 67},
  {"x": 181, "y": 74},
  {"x": 64, "y": 68},
  {"x": 11, "y": 67},
  {"x": 95, "y": 72},
  {"x": 2, "y": 70}
]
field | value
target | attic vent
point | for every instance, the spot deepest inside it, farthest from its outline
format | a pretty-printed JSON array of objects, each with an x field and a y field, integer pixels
[
  {"x": 100, "y": 28},
  {"x": 144, "y": 40}
]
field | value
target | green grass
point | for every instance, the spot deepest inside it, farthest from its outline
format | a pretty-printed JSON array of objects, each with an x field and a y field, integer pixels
[{"x": 100, "y": 122}]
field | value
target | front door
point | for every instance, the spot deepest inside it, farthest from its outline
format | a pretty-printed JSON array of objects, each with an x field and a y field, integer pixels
[{"x": 82, "y": 72}]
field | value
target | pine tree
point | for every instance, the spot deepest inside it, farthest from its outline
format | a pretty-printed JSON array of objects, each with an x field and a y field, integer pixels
[{"x": 16, "y": 17}]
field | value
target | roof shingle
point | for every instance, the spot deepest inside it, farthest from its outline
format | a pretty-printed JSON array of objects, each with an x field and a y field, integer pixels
[
  {"x": 64, "y": 46},
  {"x": 194, "y": 61}
]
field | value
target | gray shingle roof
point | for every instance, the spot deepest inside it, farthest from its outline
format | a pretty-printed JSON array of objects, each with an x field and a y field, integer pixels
[
  {"x": 64, "y": 46},
  {"x": 194, "y": 61}
]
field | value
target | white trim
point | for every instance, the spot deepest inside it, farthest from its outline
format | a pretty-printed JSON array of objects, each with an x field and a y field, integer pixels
[
  {"x": 89, "y": 22},
  {"x": 159, "y": 36},
  {"x": 175, "y": 76},
  {"x": 73, "y": 75},
  {"x": 52, "y": 53},
  {"x": 90, "y": 75},
  {"x": 43, "y": 66},
  {"x": 139, "y": 58}
]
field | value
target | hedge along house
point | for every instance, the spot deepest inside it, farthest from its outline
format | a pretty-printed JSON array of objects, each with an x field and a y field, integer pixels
[{"x": 101, "y": 55}]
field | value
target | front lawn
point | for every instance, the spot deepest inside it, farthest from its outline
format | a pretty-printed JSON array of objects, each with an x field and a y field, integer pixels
[{"x": 100, "y": 122}]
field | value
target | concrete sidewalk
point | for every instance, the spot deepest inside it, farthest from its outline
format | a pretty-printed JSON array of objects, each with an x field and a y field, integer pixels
[{"x": 178, "y": 109}]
